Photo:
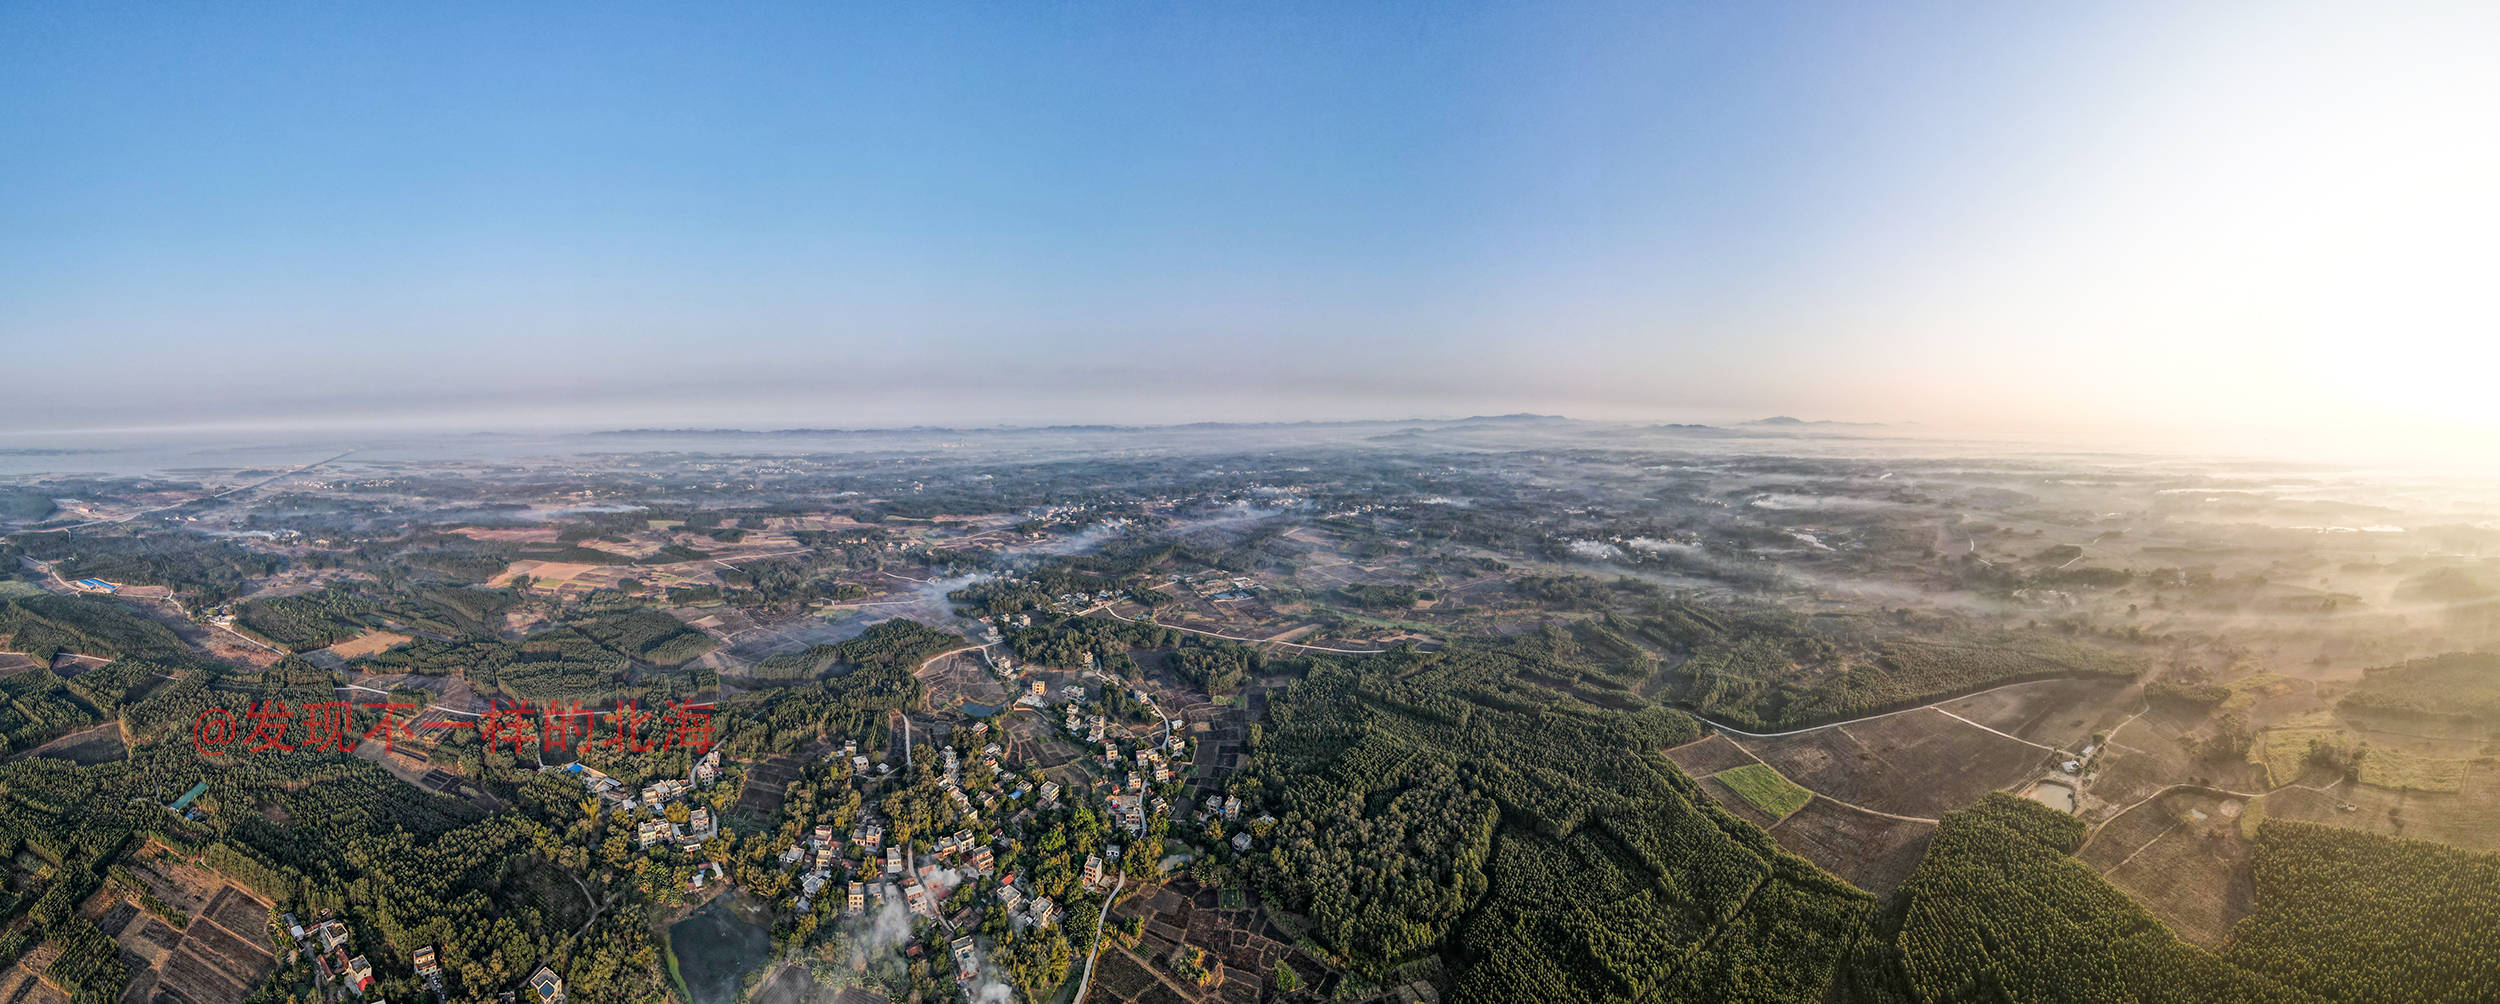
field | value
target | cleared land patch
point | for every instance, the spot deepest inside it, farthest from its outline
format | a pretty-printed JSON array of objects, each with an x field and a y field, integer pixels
[
  {"x": 2181, "y": 856},
  {"x": 1919, "y": 764},
  {"x": 1709, "y": 756},
  {"x": 368, "y": 643},
  {"x": 1872, "y": 852},
  {"x": 2049, "y": 712}
]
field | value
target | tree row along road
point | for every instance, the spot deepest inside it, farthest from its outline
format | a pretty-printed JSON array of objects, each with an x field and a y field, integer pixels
[
  {"x": 445, "y": 708},
  {"x": 925, "y": 663},
  {"x": 1105, "y": 608},
  {"x": 1086, "y": 982},
  {"x": 1937, "y": 706}
]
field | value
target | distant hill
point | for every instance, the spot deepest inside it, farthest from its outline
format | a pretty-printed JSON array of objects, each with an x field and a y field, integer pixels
[
  {"x": 1791, "y": 421},
  {"x": 2447, "y": 585},
  {"x": 24, "y": 504}
]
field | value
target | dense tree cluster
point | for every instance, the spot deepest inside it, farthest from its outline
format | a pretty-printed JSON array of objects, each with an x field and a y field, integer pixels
[
  {"x": 1213, "y": 664},
  {"x": 649, "y": 636},
  {"x": 36, "y": 705},
  {"x": 2355, "y": 916},
  {"x": 1999, "y": 910},
  {"x": 1379, "y": 596},
  {"x": 595, "y": 660},
  {"x": 89, "y": 964},
  {"x": 2454, "y": 685},
  {"x": 309, "y": 620},
  {"x": 44, "y": 626},
  {"x": 24, "y": 505},
  {"x": 891, "y": 644},
  {"x": 203, "y": 570},
  {"x": 306, "y": 621},
  {"x": 1770, "y": 668},
  {"x": 875, "y": 679},
  {"x": 317, "y": 832},
  {"x": 1464, "y": 803}
]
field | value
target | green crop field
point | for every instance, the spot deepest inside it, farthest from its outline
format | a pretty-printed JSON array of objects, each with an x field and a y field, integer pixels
[{"x": 1765, "y": 788}]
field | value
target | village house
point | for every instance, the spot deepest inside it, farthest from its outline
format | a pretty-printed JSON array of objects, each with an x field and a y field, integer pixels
[
  {"x": 547, "y": 985},
  {"x": 966, "y": 966}
]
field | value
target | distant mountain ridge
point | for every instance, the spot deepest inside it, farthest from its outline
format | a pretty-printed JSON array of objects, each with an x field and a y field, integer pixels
[{"x": 1519, "y": 418}]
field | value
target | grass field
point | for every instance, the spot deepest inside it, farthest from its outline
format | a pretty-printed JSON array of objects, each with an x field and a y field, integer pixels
[
  {"x": 2404, "y": 770},
  {"x": 2283, "y": 751},
  {"x": 1766, "y": 789}
]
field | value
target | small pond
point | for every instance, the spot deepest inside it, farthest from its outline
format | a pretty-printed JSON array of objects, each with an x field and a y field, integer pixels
[
  {"x": 715, "y": 950},
  {"x": 2054, "y": 795}
]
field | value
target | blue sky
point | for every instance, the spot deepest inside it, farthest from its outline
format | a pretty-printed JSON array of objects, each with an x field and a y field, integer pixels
[{"x": 679, "y": 214}]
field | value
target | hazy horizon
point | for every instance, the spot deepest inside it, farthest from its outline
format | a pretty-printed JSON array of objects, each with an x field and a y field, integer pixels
[{"x": 2229, "y": 223}]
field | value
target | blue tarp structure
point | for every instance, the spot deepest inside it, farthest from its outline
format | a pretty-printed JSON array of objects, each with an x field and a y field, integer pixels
[{"x": 196, "y": 791}]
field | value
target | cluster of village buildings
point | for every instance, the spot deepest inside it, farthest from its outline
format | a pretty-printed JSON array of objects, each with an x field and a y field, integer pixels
[
  {"x": 866, "y": 867},
  {"x": 654, "y": 799},
  {"x": 339, "y": 974}
]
